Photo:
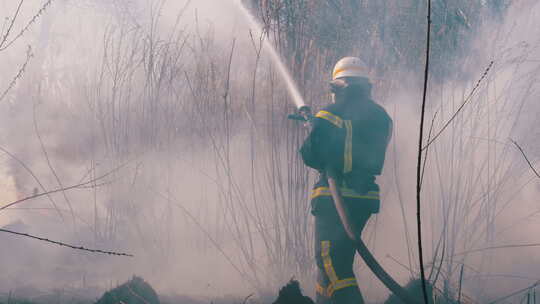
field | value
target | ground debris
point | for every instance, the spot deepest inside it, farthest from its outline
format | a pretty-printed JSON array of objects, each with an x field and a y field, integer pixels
[
  {"x": 414, "y": 288},
  {"x": 135, "y": 291},
  {"x": 15, "y": 301},
  {"x": 292, "y": 294}
]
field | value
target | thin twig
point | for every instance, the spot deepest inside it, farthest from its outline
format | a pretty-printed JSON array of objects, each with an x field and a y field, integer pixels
[
  {"x": 498, "y": 247},
  {"x": 460, "y": 283},
  {"x": 66, "y": 245},
  {"x": 419, "y": 164},
  {"x": 471, "y": 94},
  {"x": 247, "y": 298},
  {"x": 400, "y": 199},
  {"x": 79, "y": 185},
  {"x": 27, "y": 26},
  {"x": 169, "y": 198},
  {"x": 515, "y": 293},
  {"x": 427, "y": 150},
  {"x": 227, "y": 80},
  {"x": 49, "y": 164},
  {"x": 408, "y": 268},
  {"x": 439, "y": 269},
  {"x": 20, "y": 73},
  {"x": 23, "y": 164},
  {"x": 526, "y": 158},
  {"x": 11, "y": 23}
]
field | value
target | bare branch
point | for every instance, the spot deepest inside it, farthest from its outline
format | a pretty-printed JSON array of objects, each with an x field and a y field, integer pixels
[
  {"x": 34, "y": 176},
  {"x": 427, "y": 150},
  {"x": 498, "y": 247},
  {"x": 515, "y": 293},
  {"x": 471, "y": 94},
  {"x": 80, "y": 185},
  {"x": 525, "y": 156},
  {"x": 169, "y": 198},
  {"x": 65, "y": 244},
  {"x": 20, "y": 73},
  {"x": 62, "y": 189},
  {"x": 40, "y": 12},
  {"x": 46, "y": 155},
  {"x": 227, "y": 80},
  {"x": 11, "y": 23},
  {"x": 419, "y": 160}
]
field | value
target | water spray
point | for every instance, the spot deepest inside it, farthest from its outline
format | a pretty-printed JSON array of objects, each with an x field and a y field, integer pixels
[{"x": 276, "y": 59}]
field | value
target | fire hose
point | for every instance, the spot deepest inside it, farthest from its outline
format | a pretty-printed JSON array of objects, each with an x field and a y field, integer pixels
[{"x": 304, "y": 114}]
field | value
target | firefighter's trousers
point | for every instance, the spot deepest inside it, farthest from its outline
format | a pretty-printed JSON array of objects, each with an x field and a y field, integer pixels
[{"x": 335, "y": 252}]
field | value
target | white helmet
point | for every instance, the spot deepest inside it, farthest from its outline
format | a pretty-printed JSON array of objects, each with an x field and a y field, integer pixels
[{"x": 348, "y": 67}]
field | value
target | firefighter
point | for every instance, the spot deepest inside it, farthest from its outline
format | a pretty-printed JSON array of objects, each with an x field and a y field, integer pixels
[{"x": 347, "y": 142}]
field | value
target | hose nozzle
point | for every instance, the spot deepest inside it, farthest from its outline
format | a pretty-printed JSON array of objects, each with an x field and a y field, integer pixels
[
  {"x": 305, "y": 111},
  {"x": 304, "y": 114}
]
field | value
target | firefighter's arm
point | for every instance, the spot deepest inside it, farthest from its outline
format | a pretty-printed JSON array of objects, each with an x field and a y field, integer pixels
[
  {"x": 384, "y": 132},
  {"x": 313, "y": 150}
]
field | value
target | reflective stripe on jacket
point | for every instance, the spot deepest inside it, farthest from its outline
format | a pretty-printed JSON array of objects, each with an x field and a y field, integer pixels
[{"x": 350, "y": 141}]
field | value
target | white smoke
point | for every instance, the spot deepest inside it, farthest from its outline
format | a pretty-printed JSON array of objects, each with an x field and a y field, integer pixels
[{"x": 139, "y": 209}]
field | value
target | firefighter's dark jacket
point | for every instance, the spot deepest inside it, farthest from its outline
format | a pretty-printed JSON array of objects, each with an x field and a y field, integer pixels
[{"x": 348, "y": 140}]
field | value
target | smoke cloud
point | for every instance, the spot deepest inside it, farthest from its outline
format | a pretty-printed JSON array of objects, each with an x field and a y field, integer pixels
[{"x": 193, "y": 169}]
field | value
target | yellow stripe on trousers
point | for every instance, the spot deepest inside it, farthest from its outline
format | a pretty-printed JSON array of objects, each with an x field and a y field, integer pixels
[
  {"x": 341, "y": 284},
  {"x": 320, "y": 290},
  {"x": 327, "y": 261},
  {"x": 335, "y": 283}
]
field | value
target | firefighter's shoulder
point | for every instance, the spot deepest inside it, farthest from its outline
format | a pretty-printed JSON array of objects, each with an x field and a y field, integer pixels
[
  {"x": 382, "y": 111},
  {"x": 379, "y": 113},
  {"x": 331, "y": 114}
]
